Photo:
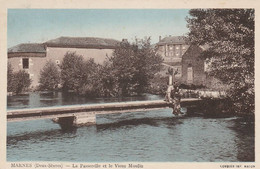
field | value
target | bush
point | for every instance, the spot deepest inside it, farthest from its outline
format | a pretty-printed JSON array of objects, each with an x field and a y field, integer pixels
[
  {"x": 159, "y": 84},
  {"x": 216, "y": 84},
  {"x": 73, "y": 72},
  {"x": 17, "y": 82},
  {"x": 49, "y": 76},
  {"x": 10, "y": 78},
  {"x": 107, "y": 83},
  {"x": 21, "y": 82},
  {"x": 78, "y": 75},
  {"x": 91, "y": 83}
]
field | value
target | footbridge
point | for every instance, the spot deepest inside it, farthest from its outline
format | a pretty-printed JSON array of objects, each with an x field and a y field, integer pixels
[{"x": 85, "y": 114}]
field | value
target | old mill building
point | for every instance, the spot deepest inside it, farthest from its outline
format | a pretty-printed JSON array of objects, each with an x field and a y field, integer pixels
[
  {"x": 184, "y": 58},
  {"x": 32, "y": 57}
]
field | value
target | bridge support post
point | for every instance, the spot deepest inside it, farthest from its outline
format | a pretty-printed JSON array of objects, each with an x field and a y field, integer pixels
[
  {"x": 84, "y": 119},
  {"x": 80, "y": 119}
]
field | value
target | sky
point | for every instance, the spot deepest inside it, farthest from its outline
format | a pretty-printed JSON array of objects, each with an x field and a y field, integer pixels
[{"x": 40, "y": 25}]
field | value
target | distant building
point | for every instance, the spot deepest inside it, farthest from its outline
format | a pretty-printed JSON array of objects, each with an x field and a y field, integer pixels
[
  {"x": 182, "y": 57},
  {"x": 32, "y": 57}
]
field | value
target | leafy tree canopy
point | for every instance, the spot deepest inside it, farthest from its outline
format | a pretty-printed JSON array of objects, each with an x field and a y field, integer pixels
[
  {"x": 227, "y": 36},
  {"x": 72, "y": 71},
  {"x": 49, "y": 76},
  {"x": 10, "y": 78},
  {"x": 134, "y": 65},
  {"x": 77, "y": 74},
  {"x": 21, "y": 81},
  {"x": 127, "y": 72}
]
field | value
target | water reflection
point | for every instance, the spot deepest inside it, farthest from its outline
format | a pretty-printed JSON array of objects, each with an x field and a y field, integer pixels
[
  {"x": 245, "y": 133},
  {"x": 152, "y": 136},
  {"x": 127, "y": 124},
  {"x": 35, "y": 99}
]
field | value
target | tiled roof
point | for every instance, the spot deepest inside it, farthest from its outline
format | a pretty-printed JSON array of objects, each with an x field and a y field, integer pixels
[
  {"x": 27, "y": 48},
  {"x": 82, "y": 42},
  {"x": 172, "y": 40}
]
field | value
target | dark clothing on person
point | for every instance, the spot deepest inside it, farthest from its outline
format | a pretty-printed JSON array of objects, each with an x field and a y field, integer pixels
[{"x": 176, "y": 97}]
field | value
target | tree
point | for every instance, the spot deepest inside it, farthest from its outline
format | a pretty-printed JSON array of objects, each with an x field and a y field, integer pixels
[
  {"x": 49, "y": 76},
  {"x": 148, "y": 63},
  {"x": 134, "y": 65},
  {"x": 21, "y": 81},
  {"x": 129, "y": 71},
  {"x": 91, "y": 82},
  {"x": 228, "y": 37},
  {"x": 79, "y": 75},
  {"x": 17, "y": 82},
  {"x": 72, "y": 71},
  {"x": 10, "y": 78},
  {"x": 108, "y": 83}
]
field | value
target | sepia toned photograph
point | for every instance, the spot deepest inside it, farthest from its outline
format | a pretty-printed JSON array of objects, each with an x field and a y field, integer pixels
[{"x": 130, "y": 85}]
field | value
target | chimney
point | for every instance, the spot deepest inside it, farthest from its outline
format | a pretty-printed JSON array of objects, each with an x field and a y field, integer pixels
[{"x": 160, "y": 38}]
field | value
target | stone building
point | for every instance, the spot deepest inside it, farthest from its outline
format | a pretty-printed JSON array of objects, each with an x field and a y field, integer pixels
[
  {"x": 32, "y": 57},
  {"x": 182, "y": 57},
  {"x": 193, "y": 67}
]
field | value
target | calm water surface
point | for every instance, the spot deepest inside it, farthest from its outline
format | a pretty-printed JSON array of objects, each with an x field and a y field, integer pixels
[{"x": 153, "y": 136}]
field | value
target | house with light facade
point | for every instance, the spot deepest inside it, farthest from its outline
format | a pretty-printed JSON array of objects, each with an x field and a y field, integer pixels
[
  {"x": 183, "y": 58},
  {"x": 175, "y": 52},
  {"x": 32, "y": 57}
]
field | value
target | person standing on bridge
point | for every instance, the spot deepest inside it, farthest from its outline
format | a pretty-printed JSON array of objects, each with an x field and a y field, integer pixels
[
  {"x": 176, "y": 100},
  {"x": 172, "y": 93}
]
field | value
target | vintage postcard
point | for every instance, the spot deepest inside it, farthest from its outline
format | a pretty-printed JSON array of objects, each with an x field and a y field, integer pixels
[{"x": 126, "y": 85}]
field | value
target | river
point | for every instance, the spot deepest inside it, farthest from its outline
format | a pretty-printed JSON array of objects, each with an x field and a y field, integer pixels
[{"x": 152, "y": 136}]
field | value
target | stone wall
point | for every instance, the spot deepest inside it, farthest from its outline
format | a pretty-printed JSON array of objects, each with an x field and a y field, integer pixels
[
  {"x": 37, "y": 61},
  {"x": 99, "y": 55},
  {"x": 192, "y": 60}
]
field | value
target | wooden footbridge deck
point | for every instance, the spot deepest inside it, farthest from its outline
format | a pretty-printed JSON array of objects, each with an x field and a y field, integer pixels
[{"x": 85, "y": 113}]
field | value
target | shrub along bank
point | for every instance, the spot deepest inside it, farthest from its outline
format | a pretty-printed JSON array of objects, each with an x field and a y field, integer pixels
[{"x": 17, "y": 82}]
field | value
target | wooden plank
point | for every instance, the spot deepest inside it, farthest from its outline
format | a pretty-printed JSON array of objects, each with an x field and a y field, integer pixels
[
  {"x": 105, "y": 108},
  {"x": 73, "y": 114}
]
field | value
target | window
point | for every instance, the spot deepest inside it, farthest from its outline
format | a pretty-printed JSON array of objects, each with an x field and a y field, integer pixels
[{"x": 25, "y": 63}]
